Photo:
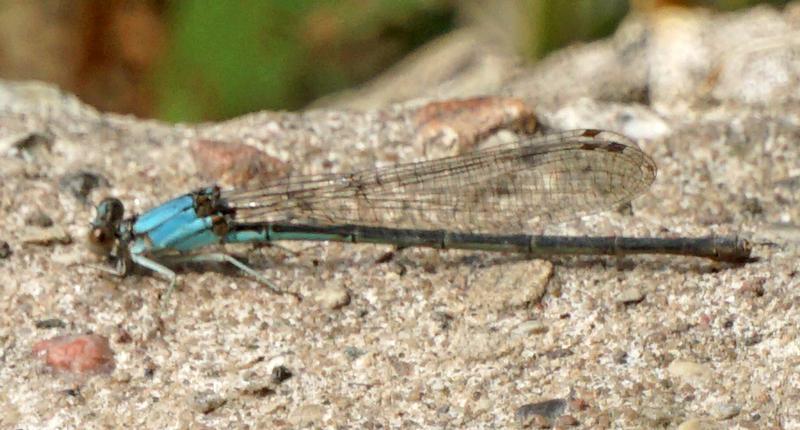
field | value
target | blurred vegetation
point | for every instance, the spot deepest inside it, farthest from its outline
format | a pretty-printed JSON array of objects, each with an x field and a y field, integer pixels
[
  {"x": 554, "y": 23},
  {"x": 201, "y": 60},
  {"x": 229, "y": 58}
]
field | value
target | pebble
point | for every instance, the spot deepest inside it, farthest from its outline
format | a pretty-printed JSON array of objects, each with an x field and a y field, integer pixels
[
  {"x": 353, "y": 353},
  {"x": 234, "y": 163},
  {"x": 5, "y": 249},
  {"x": 688, "y": 370},
  {"x": 280, "y": 374},
  {"x": 630, "y": 296},
  {"x": 528, "y": 328},
  {"x": 532, "y": 413},
  {"x": 50, "y": 323},
  {"x": 87, "y": 354},
  {"x": 461, "y": 124},
  {"x": 509, "y": 286},
  {"x": 724, "y": 411},
  {"x": 332, "y": 297}
]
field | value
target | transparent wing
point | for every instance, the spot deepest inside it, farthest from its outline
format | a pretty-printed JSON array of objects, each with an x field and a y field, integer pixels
[{"x": 504, "y": 189}]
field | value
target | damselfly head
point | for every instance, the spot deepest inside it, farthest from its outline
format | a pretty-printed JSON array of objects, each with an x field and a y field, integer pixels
[{"x": 103, "y": 233}]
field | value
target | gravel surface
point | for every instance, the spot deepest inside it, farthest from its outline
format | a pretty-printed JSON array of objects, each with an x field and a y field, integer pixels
[{"x": 424, "y": 338}]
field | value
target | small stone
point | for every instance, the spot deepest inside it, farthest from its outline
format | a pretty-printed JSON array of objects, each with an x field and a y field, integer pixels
[
  {"x": 5, "y": 250},
  {"x": 123, "y": 377},
  {"x": 509, "y": 286},
  {"x": 332, "y": 297},
  {"x": 234, "y": 163},
  {"x": 630, "y": 296},
  {"x": 688, "y": 370},
  {"x": 207, "y": 401},
  {"x": 45, "y": 236},
  {"x": 366, "y": 361},
  {"x": 50, "y": 323},
  {"x": 466, "y": 122},
  {"x": 77, "y": 354},
  {"x": 528, "y": 328},
  {"x": 73, "y": 392},
  {"x": 280, "y": 374},
  {"x": 415, "y": 394},
  {"x": 353, "y": 353},
  {"x": 123, "y": 336},
  {"x": 550, "y": 410},
  {"x": 724, "y": 411}
]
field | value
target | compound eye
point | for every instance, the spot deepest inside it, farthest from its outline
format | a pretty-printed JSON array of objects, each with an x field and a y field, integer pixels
[
  {"x": 109, "y": 212},
  {"x": 101, "y": 240}
]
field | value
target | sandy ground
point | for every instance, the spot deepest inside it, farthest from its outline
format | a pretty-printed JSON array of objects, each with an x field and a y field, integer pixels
[{"x": 427, "y": 339}]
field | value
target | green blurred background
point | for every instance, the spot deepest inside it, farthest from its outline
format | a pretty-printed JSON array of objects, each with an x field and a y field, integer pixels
[{"x": 202, "y": 60}]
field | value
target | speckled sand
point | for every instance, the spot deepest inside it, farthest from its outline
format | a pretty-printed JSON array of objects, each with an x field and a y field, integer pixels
[{"x": 433, "y": 339}]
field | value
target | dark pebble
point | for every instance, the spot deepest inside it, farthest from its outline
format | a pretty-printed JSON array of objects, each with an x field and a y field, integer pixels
[
  {"x": 354, "y": 352},
  {"x": 73, "y": 392},
  {"x": 50, "y": 323},
  {"x": 549, "y": 409},
  {"x": 280, "y": 374},
  {"x": 5, "y": 249}
]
